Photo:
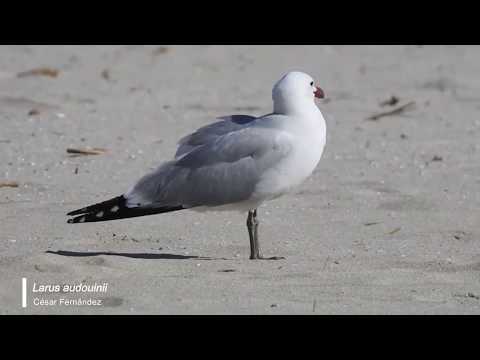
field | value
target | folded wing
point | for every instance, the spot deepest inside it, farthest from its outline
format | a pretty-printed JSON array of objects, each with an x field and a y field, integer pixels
[
  {"x": 219, "y": 164},
  {"x": 211, "y": 131}
]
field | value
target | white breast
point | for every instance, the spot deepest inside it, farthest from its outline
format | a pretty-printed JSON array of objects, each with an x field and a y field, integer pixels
[{"x": 308, "y": 142}]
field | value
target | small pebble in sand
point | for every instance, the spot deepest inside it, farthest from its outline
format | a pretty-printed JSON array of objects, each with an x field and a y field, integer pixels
[
  {"x": 160, "y": 50},
  {"x": 393, "y": 100},
  {"x": 105, "y": 74},
  {"x": 472, "y": 295}
]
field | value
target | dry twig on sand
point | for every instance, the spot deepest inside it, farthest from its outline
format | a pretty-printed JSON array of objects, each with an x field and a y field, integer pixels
[
  {"x": 12, "y": 184},
  {"x": 397, "y": 110},
  {"x": 94, "y": 151},
  {"x": 394, "y": 231},
  {"x": 44, "y": 71},
  {"x": 371, "y": 223}
]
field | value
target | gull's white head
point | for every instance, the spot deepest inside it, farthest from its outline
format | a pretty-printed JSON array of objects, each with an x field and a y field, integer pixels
[{"x": 295, "y": 93}]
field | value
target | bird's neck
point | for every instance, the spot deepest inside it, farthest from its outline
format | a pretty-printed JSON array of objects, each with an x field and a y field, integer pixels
[{"x": 304, "y": 107}]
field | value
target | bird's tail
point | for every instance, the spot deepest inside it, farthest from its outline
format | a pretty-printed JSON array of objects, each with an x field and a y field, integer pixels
[{"x": 115, "y": 209}]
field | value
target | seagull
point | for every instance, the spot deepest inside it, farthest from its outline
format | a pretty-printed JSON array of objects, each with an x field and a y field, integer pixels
[{"x": 234, "y": 164}]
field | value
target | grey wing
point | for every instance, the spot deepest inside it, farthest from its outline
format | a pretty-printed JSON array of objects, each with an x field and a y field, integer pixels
[
  {"x": 211, "y": 131},
  {"x": 223, "y": 171}
]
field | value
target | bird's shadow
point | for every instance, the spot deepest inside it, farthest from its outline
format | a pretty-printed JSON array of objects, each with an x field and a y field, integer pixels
[{"x": 163, "y": 256}]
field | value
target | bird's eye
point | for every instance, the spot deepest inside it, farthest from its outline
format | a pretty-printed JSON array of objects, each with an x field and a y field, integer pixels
[{"x": 311, "y": 84}]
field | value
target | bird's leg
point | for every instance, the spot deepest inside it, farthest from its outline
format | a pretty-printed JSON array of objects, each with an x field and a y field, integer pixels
[{"x": 252, "y": 226}]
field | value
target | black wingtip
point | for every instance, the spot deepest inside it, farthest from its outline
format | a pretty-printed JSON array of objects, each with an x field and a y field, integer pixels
[
  {"x": 78, "y": 219},
  {"x": 119, "y": 201},
  {"x": 115, "y": 209},
  {"x": 77, "y": 212}
]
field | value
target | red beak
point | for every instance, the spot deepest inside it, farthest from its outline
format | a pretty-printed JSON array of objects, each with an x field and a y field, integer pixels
[{"x": 319, "y": 93}]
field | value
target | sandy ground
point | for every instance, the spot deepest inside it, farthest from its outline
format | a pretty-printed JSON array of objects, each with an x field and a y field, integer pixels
[{"x": 387, "y": 224}]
